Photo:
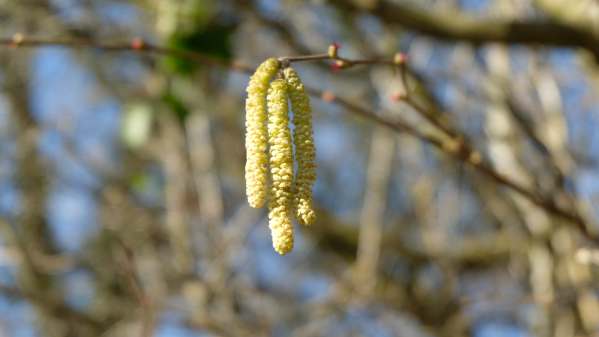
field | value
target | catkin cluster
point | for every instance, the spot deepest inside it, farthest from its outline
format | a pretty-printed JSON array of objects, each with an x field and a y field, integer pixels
[{"x": 269, "y": 146}]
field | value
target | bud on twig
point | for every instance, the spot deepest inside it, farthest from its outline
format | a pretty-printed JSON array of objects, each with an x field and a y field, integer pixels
[
  {"x": 17, "y": 40},
  {"x": 400, "y": 58},
  {"x": 137, "y": 43},
  {"x": 333, "y": 49}
]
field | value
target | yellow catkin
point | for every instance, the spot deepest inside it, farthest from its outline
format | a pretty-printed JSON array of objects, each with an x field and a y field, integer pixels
[
  {"x": 281, "y": 167},
  {"x": 305, "y": 152},
  {"x": 256, "y": 137}
]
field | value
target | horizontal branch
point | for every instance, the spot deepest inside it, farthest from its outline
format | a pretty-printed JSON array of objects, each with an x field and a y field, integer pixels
[
  {"x": 456, "y": 25},
  {"x": 456, "y": 148},
  {"x": 134, "y": 45}
]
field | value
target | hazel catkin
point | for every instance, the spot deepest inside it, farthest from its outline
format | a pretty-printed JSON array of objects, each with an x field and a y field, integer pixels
[
  {"x": 305, "y": 152},
  {"x": 281, "y": 167},
  {"x": 256, "y": 143}
]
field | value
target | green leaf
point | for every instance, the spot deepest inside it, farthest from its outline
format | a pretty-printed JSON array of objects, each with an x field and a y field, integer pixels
[{"x": 213, "y": 40}]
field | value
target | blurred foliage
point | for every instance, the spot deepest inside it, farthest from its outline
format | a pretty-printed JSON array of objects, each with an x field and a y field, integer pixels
[
  {"x": 212, "y": 39},
  {"x": 175, "y": 105}
]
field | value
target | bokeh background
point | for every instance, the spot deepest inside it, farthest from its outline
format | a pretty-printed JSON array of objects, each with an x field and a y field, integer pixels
[{"x": 122, "y": 199}]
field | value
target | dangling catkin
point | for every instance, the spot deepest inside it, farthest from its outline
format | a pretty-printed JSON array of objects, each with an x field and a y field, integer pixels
[
  {"x": 281, "y": 167},
  {"x": 305, "y": 152},
  {"x": 256, "y": 167}
]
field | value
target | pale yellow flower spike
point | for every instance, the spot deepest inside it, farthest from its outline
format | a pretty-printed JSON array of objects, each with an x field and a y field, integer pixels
[
  {"x": 256, "y": 137},
  {"x": 305, "y": 152},
  {"x": 281, "y": 167}
]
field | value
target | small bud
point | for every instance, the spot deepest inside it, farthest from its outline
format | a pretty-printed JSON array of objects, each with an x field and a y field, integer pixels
[
  {"x": 17, "y": 40},
  {"x": 137, "y": 43},
  {"x": 333, "y": 49},
  {"x": 475, "y": 157},
  {"x": 328, "y": 96},
  {"x": 339, "y": 64},
  {"x": 452, "y": 146},
  {"x": 398, "y": 96},
  {"x": 400, "y": 58}
]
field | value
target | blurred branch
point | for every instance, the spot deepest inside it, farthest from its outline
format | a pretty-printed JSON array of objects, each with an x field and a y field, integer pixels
[
  {"x": 379, "y": 172},
  {"x": 456, "y": 25},
  {"x": 343, "y": 238},
  {"x": 173, "y": 156},
  {"x": 134, "y": 281},
  {"x": 579, "y": 13},
  {"x": 57, "y": 308}
]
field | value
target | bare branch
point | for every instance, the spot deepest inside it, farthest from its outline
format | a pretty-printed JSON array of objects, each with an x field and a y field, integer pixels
[{"x": 455, "y": 25}]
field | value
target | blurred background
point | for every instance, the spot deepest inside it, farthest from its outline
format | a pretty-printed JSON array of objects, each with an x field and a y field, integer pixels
[{"x": 122, "y": 196}]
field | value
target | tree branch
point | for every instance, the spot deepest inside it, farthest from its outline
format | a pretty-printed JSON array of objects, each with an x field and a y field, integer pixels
[{"x": 455, "y": 25}]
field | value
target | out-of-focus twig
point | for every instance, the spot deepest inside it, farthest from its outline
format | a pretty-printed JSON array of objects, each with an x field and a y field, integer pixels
[
  {"x": 174, "y": 160},
  {"x": 382, "y": 151},
  {"x": 134, "y": 281}
]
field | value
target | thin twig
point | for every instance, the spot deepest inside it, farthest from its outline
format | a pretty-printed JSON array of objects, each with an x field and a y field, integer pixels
[
  {"x": 316, "y": 57},
  {"x": 134, "y": 281}
]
